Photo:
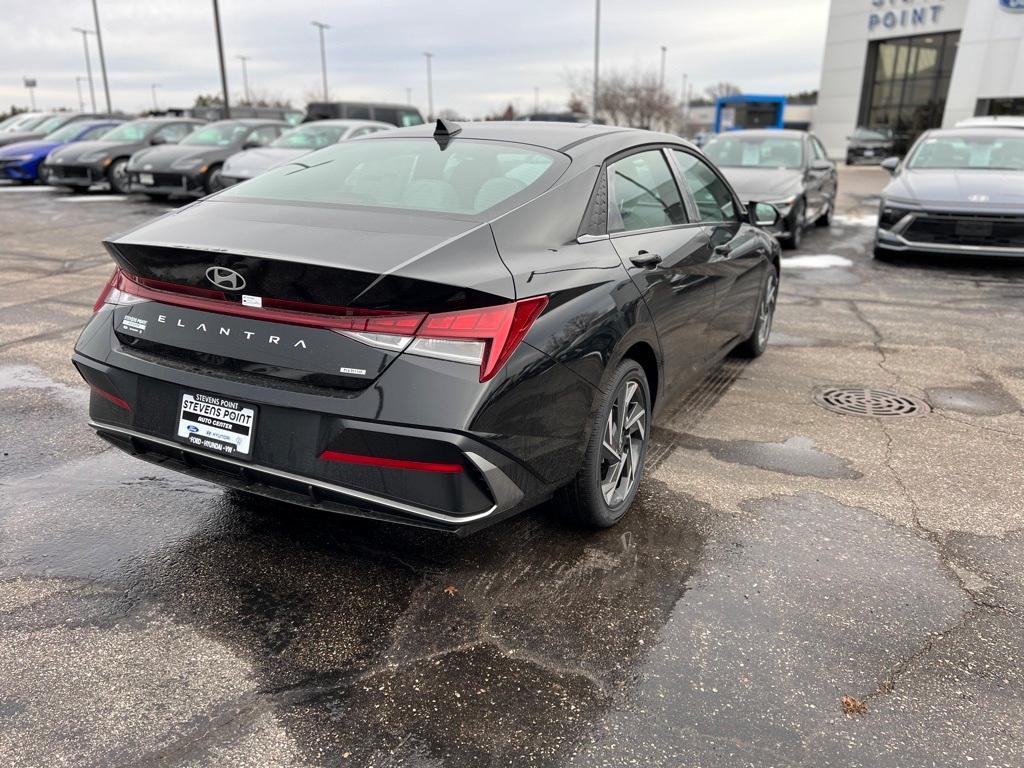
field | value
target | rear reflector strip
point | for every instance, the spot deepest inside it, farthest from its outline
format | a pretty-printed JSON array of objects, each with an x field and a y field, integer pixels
[
  {"x": 112, "y": 398},
  {"x": 377, "y": 461}
]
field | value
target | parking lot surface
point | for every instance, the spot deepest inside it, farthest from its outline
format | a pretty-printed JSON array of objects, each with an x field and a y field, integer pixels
[{"x": 782, "y": 558}]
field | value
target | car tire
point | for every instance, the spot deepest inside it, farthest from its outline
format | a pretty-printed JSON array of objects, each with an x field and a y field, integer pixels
[
  {"x": 796, "y": 227},
  {"x": 212, "y": 181},
  {"x": 600, "y": 495},
  {"x": 757, "y": 342},
  {"x": 117, "y": 175}
]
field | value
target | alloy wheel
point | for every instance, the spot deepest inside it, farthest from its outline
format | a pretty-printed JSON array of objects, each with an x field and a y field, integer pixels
[
  {"x": 766, "y": 312},
  {"x": 622, "y": 443},
  {"x": 119, "y": 176}
]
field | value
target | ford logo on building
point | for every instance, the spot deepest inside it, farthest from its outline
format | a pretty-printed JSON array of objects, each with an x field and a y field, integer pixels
[{"x": 1013, "y": 6}]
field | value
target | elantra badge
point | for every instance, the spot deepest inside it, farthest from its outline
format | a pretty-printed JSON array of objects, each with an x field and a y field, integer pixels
[{"x": 225, "y": 278}]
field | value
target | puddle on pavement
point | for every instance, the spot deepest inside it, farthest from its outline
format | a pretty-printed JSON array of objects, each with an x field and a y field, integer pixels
[
  {"x": 30, "y": 377},
  {"x": 983, "y": 398},
  {"x": 796, "y": 456}
]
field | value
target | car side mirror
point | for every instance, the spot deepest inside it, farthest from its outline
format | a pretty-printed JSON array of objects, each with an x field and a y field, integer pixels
[
  {"x": 251, "y": 145},
  {"x": 763, "y": 215},
  {"x": 158, "y": 140},
  {"x": 820, "y": 164},
  {"x": 891, "y": 164}
]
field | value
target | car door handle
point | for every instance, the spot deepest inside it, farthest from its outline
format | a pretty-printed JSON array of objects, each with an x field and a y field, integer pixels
[{"x": 646, "y": 259}]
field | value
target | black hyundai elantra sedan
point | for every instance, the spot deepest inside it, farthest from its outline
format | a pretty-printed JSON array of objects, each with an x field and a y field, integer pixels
[{"x": 440, "y": 326}]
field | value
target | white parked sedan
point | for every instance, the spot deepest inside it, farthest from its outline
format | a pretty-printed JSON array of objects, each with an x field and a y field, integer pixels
[{"x": 296, "y": 142}]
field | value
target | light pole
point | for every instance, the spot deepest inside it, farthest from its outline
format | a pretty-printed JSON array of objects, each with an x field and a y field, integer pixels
[
  {"x": 245, "y": 78},
  {"x": 88, "y": 63},
  {"x": 30, "y": 83},
  {"x": 430, "y": 88},
  {"x": 220, "y": 57},
  {"x": 597, "y": 56},
  {"x": 323, "y": 54},
  {"x": 152, "y": 88},
  {"x": 536, "y": 99},
  {"x": 408, "y": 96},
  {"x": 103, "y": 61},
  {"x": 661, "y": 77},
  {"x": 78, "y": 85}
]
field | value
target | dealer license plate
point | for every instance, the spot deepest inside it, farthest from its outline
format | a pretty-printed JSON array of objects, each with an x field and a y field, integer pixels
[
  {"x": 147, "y": 179},
  {"x": 217, "y": 424}
]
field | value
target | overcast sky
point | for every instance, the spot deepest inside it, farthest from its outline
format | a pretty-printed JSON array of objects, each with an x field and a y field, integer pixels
[{"x": 488, "y": 52}]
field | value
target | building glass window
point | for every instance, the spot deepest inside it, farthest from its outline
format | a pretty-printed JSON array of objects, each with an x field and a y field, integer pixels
[{"x": 906, "y": 82}]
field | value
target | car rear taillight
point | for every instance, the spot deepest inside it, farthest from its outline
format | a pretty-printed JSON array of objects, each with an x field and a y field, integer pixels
[
  {"x": 486, "y": 337},
  {"x": 380, "y": 461}
]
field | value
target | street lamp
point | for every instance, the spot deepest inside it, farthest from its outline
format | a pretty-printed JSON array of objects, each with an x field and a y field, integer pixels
[
  {"x": 323, "y": 55},
  {"x": 103, "y": 61},
  {"x": 597, "y": 55},
  {"x": 245, "y": 78},
  {"x": 88, "y": 63},
  {"x": 220, "y": 57},
  {"x": 78, "y": 85},
  {"x": 430, "y": 88},
  {"x": 661, "y": 78},
  {"x": 152, "y": 88},
  {"x": 30, "y": 83},
  {"x": 408, "y": 95}
]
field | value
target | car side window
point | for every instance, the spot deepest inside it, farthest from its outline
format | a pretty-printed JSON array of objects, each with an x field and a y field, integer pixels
[
  {"x": 643, "y": 193},
  {"x": 360, "y": 132},
  {"x": 712, "y": 196},
  {"x": 265, "y": 135},
  {"x": 174, "y": 132},
  {"x": 95, "y": 133}
]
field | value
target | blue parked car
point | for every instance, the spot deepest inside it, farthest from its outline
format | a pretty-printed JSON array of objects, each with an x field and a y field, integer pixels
[{"x": 21, "y": 161}]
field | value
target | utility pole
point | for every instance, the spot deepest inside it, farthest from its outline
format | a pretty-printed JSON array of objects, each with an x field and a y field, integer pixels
[
  {"x": 152, "y": 88},
  {"x": 88, "y": 63},
  {"x": 597, "y": 56},
  {"x": 245, "y": 78},
  {"x": 78, "y": 85},
  {"x": 408, "y": 96},
  {"x": 323, "y": 55},
  {"x": 686, "y": 100},
  {"x": 536, "y": 99},
  {"x": 661, "y": 79},
  {"x": 103, "y": 61},
  {"x": 430, "y": 88},
  {"x": 220, "y": 57}
]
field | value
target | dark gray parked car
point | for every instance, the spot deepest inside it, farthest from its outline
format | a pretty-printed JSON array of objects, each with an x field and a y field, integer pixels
[
  {"x": 958, "y": 191},
  {"x": 788, "y": 169},
  {"x": 80, "y": 165},
  {"x": 193, "y": 166}
]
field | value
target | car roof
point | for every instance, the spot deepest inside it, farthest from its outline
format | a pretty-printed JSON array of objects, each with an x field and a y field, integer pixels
[
  {"x": 193, "y": 120},
  {"x": 976, "y": 130},
  {"x": 251, "y": 121},
  {"x": 993, "y": 121},
  {"x": 788, "y": 132},
  {"x": 574, "y": 139},
  {"x": 343, "y": 123}
]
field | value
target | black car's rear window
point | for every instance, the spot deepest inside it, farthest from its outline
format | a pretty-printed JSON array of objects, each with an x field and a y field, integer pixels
[{"x": 466, "y": 177}]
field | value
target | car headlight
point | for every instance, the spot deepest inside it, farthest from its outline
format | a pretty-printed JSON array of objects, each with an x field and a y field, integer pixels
[
  {"x": 890, "y": 215},
  {"x": 92, "y": 157},
  {"x": 784, "y": 203},
  {"x": 184, "y": 165},
  {"x": 20, "y": 158}
]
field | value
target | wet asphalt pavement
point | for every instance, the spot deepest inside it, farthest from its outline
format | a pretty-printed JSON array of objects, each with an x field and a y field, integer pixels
[{"x": 780, "y": 557}]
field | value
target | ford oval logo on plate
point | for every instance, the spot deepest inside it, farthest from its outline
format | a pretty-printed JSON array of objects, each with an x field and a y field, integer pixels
[
  {"x": 225, "y": 278},
  {"x": 1013, "y": 6}
]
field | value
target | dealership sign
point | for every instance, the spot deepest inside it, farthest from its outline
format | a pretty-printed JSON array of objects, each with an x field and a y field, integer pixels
[
  {"x": 909, "y": 14},
  {"x": 1013, "y": 6}
]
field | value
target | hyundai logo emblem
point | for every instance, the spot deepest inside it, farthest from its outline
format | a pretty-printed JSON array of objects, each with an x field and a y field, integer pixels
[{"x": 225, "y": 278}]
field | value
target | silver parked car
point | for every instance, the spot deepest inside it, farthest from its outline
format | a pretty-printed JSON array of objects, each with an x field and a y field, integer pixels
[
  {"x": 959, "y": 190},
  {"x": 295, "y": 143}
]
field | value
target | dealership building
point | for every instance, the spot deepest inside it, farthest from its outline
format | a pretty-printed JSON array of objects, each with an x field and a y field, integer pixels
[{"x": 910, "y": 65}]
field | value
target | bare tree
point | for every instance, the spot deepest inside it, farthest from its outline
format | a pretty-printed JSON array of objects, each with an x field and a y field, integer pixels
[
  {"x": 719, "y": 90},
  {"x": 635, "y": 99}
]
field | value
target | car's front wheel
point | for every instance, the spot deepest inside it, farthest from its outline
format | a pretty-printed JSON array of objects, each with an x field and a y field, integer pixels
[
  {"x": 613, "y": 463},
  {"x": 214, "y": 182},
  {"x": 117, "y": 175},
  {"x": 796, "y": 226},
  {"x": 757, "y": 343}
]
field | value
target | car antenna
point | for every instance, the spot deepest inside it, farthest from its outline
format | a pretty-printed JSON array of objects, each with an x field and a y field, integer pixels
[{"x": 444, "y": 130}]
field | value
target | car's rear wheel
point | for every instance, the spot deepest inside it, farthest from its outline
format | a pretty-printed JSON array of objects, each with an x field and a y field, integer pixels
[
  {"x": 117, "y": 175},
  {"x": 757, "y": 342},
  {"x": 613, "y": 464}
]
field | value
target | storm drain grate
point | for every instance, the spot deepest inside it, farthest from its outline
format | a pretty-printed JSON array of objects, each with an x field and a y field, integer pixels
[{"x": 861, "y": 401}]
